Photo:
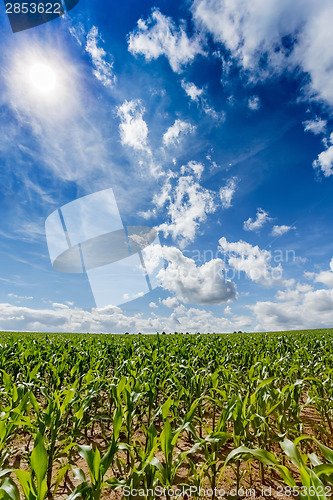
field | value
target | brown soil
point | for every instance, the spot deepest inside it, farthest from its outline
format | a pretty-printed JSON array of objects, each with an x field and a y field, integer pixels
[{"x": 251, "y": 484}]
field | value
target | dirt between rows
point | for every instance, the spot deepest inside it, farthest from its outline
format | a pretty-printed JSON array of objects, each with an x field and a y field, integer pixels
[{"x": 251, "y": 485}]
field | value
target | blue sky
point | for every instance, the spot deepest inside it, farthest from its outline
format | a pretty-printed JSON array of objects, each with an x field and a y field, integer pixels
[{"x": 211, "y": 120}]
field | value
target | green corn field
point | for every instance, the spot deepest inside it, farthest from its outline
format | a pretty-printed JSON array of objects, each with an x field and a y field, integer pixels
[{"x": 166, "y": 416}]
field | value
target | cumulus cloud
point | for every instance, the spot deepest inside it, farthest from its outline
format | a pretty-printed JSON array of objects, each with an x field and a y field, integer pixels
[
  {"x": 261, "y": 219},
  {"x": 280, "y": 230},
  {"x": 267, "y": 38},
  {"x": 158, "y": 36},
  {"x": 171, "y": 302},
  {"x": 103, "y": 69},
  {"x": 148, "y": 214},
  {"x": 325, "y": 277},
  {"x": 187, "y": 204},
  {"x": 191, "y": 90},
  {"x": 112, "y": 320},
  {"x": 293, "y": 293},
  {"x": 59, "y": 305},
  {"x": 133, "y": 129},
  {"x": 193, "y": 167},
  {"x": 317, "y": 126},
  {"x": 190, "y": 283},
  {"x": 177, "y": 131},
  {"x": 301, "y": 307},
  {"x": 227, "y": 310},
  {"x": 254, "y": 262},
  {"x": 325, "y": 160},
  {"x": 227, "y": 192},
  {"x": 254, "y": 103}
]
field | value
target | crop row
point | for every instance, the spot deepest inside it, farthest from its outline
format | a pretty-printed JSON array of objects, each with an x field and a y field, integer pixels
[{"x": 85, "y": 416}]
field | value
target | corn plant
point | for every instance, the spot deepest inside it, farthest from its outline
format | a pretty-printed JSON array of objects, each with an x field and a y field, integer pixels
[
  {"x": 50, "y": 423},
  {"x": 91, "y": 488},
  {"x": 34, "y": 482},
  {"x": 312, "y": 485},
  {"x": 138, "y": 408}
]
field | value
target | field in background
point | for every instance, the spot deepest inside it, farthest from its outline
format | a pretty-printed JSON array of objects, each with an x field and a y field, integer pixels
[{"x": 94, "y": 416}]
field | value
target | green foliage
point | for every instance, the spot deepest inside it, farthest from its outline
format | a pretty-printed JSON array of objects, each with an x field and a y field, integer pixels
[{"x": 91, "y": 413}]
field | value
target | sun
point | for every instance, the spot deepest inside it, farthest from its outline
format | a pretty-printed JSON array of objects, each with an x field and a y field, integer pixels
[
  {"x": 43, "y": 78},
  {"x": 43, "y": 83}
]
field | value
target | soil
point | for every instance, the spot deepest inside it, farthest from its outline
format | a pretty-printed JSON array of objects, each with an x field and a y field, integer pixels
[{"x": 251, "y": 484}]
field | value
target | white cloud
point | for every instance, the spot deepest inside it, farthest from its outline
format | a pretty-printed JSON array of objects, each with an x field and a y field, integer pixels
[
  {"x": 261, "y": 219},
  {"x": 197, "y": 95},
  {"x": 191, "y": 90},
  {"x": 57, "y": 305},
  {"x": 19, "y": 297},
  {"x": 293, "y": 294},
  {"x": 163, "y": 197},
  {"x": 193, "y": 167},
  {"x": 325, "y": 277},
  {"x": 231, "y": 100},
  {"x": 153, "y": 305},
  {"x": 176, "y": 131},
  {"x": 187, "y": 204},
  {"x": 159, "y": 36},
  {"x": 133, "y": 129},
  {"x": 91, "y": 41},
  {"x": 209, "y": 110},
  {"x": 299, "y": 308},
  {"x": 78, "y": 32},
  {"x": 103, "y": 69},
  {"x": 254, "y": 262},
  {"x": 148, "y": 214},
  {"x": 280, "y": 230},
  {"x": 226, "y": 66},
  {"x": 171, "y": 302},
  {"x": 317, "y": 126},
  {"x": 112, "y": 319},
  {"x": 227, "y": 192},
  {"x": 190, "y": 283},
  {"x": 254, "y": 103},
  {"x": 325, "y": 160},
  {"x": 286, "y": 35}
]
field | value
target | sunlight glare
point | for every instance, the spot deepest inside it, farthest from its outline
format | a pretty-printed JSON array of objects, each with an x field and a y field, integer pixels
[{"x": 43, "y": 78}]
